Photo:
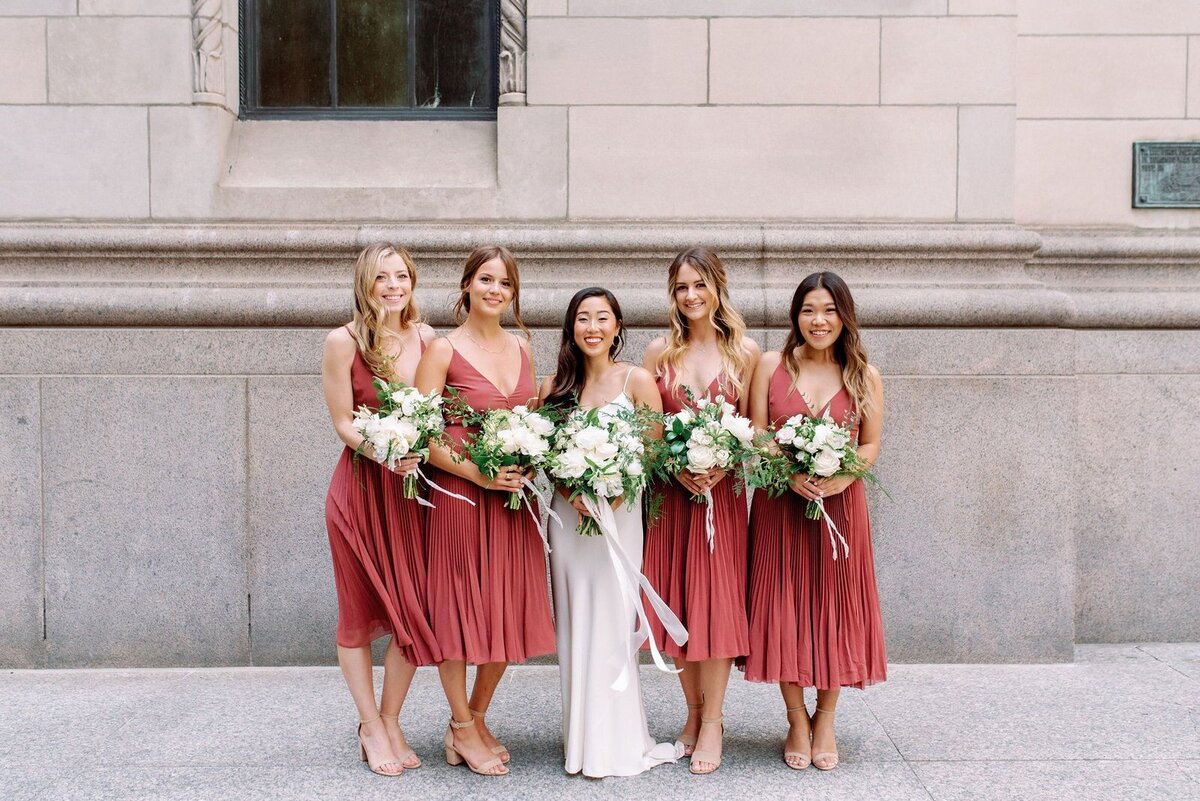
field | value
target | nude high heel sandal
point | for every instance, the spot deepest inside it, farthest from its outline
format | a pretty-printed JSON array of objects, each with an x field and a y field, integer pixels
[
  {"x": 797, "y": 760},
  {"x": 711, "y": 757},
  {"x": 498, "y": 750},
  {"x": 377, "y": 767},
  {"x": 492, "y": 767},
  {"x": 408, "y": 756},
  {"x": 830, "y": 758},
  {"x": 688, "y": 741}
]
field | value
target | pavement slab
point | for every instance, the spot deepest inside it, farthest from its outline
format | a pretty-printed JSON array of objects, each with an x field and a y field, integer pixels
[{"x": 1121, "y": 722}]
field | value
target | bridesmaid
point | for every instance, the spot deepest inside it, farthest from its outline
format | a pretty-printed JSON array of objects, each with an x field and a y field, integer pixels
[
  {"x": 707, "y": 353},
  {"x": 814, "y": 620},
  {"x": 376, "y": 535},
  {"x": 488, "y": 601}
]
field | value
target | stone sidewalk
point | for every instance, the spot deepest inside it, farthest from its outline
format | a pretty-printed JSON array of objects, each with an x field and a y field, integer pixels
[{"x": 1122, "y": 722}]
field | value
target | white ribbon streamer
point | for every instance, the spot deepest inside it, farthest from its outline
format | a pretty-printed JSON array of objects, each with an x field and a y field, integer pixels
[
  {"x": 544, "y": 503},
  {"x": 708, "y": 519},
  {"x": 630, "y": 581},
  {"x": 820, "y": 502},
  {"x": 439, "y": 488}
]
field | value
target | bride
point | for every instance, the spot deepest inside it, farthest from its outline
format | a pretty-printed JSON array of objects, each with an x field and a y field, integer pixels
[{"x": 604, "y": 721}]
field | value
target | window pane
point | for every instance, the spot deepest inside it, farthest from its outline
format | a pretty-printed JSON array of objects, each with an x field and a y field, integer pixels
[
  {"x": 454, "y": 54},
  {"x": 372, "y": 53},
  {"x": 293, "y": 52}
]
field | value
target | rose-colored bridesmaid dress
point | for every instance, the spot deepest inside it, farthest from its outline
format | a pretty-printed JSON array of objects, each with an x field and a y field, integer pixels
[
  {"x": 814, "y": 621},
  {"x": 488, "y": 595},
  {"x": 377, "y": 539},
  {"x": 707, "y": 591}
]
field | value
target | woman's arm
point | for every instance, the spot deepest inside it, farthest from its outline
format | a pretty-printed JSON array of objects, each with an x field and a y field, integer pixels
[
  {"x": 754, "y": 353},
  {"x": 870, "y": 436},
  {"x": 760, "y": 387},
  {"x": 336, "y": 364}
]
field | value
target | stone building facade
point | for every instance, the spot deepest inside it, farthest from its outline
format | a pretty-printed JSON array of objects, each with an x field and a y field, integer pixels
[{"x": 167, "y": 271}]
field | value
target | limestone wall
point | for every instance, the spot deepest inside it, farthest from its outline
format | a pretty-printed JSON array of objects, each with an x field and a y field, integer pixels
[{"x": 167, "y": 271}]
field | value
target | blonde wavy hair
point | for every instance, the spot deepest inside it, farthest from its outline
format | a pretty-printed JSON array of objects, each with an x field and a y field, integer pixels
[
  {"x": 728, "y": 322},
  {"x": 367, "y": 328},
  {"x": 848, "y": 350}
]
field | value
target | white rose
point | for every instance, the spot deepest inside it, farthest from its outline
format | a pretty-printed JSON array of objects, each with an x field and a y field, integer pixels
[
  {"x": 684, "y": 416},
  {"x": 634, "y": 468},
  {"x": 540, "y": 425},
  {"x": 520, "y": 410},
  {"x": 509, "y": 440},
  {"x": 701, "y": 403},
  {"x": 820, "y": 433},
  {"x": 701, "y": 458},
  {"x": 531, "y": 444},
  {"x": 740, "y": 427},
  {"x": 571, "y": 464},
  {"x": 786, "y": 435},
  {"x": 837, "y": 439},
  {"x": 723, "y": 456},
  {"x": 826, "y": 462},
  {"x": 699, "y": 438},
  {"x": 591, "y": 438},
  {"x": 812, "y": 447},
  {"x": 605, "y": 451}
]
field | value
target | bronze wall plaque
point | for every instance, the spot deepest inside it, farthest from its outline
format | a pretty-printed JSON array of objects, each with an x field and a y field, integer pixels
[{"x": 1166, "y": 175}]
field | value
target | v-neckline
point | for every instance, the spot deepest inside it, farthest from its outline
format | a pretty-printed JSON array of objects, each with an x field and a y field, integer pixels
[
  {"x": 704, "y": 394},
  {"x": 813, "y": 413},
  {"x": 491, "y": 383}
]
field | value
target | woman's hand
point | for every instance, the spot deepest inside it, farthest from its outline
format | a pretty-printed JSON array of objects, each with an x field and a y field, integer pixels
[
  {"x": 691, "y": 481},
  {"x": 805, "y": 486},
  {"x": 834, "y": 485},
  {"x": 577, "y": 503},
  {"x": 407, "y": 465},
  {"x": 509, "y": 479},
  {"x": 713, "y": 476}
]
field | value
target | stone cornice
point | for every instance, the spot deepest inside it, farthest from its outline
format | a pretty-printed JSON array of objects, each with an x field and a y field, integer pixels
[{"x": 256, "y": 275}]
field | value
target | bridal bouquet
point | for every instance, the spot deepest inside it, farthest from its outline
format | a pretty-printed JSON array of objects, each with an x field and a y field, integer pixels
[
  {"x": 713, "y": 435},
  {"x": 600, "y": 458},
  {"x": 817, "y": 446},
  {"x": 403, "y": 425},
  {"x": 508, "y": 437}
]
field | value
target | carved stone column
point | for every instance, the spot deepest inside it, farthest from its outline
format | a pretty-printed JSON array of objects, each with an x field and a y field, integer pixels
[
  {"x": 512, "y": 52},
  {"x": 208, "y": 53}
]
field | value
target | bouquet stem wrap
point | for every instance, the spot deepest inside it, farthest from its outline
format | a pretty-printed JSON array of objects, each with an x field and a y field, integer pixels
[
  {"x": 632, "y": 584},
  {"x": 709, "y": 523}
]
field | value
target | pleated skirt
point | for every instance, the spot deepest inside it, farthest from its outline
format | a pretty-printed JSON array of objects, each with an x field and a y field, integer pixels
[
  {"x": 377, "y": 541},
  {"x": 706, "y": 590},
  {"x": 489, "y": 598},
  {"x": 814, "y": 621}
]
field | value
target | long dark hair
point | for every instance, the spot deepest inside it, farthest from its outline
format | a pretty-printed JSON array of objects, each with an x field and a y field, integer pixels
[
  {"x": 568, "y": 379},
  {"x": 478, "y": 258},
  {"x": 848, "y": 350}
]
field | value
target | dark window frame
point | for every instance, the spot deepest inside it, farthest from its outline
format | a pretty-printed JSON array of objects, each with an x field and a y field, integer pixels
[{"x": 250, "y": 109}]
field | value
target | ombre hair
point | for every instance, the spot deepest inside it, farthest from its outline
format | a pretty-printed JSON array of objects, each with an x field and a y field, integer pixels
[
  {"x": 367, "y": 327},
  {"x": 728, "y": 322},
  {"x": 478, "y": 258},
  {"x": 568, "y": 378},
  {"x": 848, "y": 350}
]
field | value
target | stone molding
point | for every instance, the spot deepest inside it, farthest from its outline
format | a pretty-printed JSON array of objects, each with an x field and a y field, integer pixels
[
  {"x": 512, "y": 52},
  {"x": 244, "y": 275},
  {"x": 208, "y": 53}
]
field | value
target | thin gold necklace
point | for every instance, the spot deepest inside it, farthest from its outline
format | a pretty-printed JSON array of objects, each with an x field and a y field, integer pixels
[{"x": 478, "y": 344}]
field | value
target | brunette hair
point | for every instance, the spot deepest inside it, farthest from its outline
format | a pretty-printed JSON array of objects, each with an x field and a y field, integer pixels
[
  {"x": 729, "y": 323},
  {"x": 369, "y": 313},
  {"x": 478, "y": 258},
  {"x": 568, "y": 379},
  {"x": 848, "y": 350}
]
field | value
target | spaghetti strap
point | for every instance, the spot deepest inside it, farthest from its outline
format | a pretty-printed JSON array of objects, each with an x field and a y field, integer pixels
[{"x": 628, "y": 373}]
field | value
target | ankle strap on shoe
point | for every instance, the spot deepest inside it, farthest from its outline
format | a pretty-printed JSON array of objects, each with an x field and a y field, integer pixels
[
  {"x": 801, "y": 708},
  {"x": 476, "y": 714},
  {"x": 389, "y": 717},
  {"x": 717, "y": 719},
  {"x": 372, "y": 720},
  {"x": 454, "y": 724},
  {"x": 826, "y": 711}
]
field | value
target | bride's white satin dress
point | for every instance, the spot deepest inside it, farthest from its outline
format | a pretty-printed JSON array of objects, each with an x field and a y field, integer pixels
[{"x": 604, "y": 730}]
